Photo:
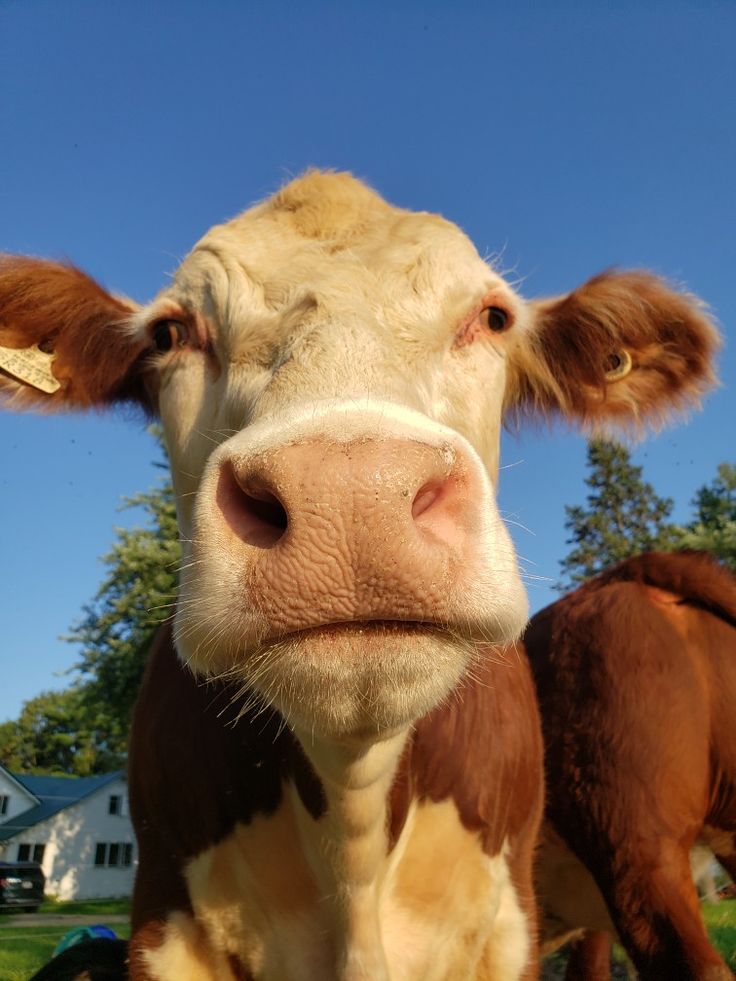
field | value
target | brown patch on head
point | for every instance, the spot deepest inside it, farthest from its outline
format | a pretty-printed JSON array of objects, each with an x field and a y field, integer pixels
[
  {"x": 330, "y": 206},
  {"x": 65, "y": 312},
  {"x": 575, "y": 360}
]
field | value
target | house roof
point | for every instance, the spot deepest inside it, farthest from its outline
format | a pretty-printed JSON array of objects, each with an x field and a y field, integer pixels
[
  {"x": 14, "y": 780},
  {"x": 54, "y": 794}
]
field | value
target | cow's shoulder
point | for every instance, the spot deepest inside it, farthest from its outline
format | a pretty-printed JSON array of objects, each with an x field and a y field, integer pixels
[
  {"x": 481, "y": 750},
  {"x": 206, "y": 755}
]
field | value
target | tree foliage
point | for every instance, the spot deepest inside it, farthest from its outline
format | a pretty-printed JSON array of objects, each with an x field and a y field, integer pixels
[
  {"x": 118, "y": 626},
  {"x": 84, "y": 729},
  {"x": 713, "y": 527},
  {"x": 623, "y": 515},
  {"x": 54, "y": 734}
]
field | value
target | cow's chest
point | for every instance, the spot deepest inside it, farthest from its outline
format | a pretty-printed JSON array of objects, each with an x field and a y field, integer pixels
[{"x": 267, "y": 905}]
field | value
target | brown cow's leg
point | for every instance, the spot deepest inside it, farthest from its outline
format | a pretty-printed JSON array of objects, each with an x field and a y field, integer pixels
[
  {"x": 522, "y": 872},
  {"x": 590, "y": 957},
  {"x": 657, "y": 915}
]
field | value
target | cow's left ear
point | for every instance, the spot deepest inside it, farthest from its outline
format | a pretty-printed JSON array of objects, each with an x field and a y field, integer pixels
[
  {"x": 623, "y": 351},
  {"x": 64, "y": 340}
]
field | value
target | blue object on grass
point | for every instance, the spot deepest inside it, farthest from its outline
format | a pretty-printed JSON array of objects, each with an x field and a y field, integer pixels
[{"x": 79, "y": 934}]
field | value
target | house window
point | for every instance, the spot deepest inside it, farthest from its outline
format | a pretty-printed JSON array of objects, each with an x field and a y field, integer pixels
[
  {"x": 4, "y": 801},
  {"x": 114, "y": 854},
  {"x": 117, "y": 804},
  {"x": 30, "y": 853}
]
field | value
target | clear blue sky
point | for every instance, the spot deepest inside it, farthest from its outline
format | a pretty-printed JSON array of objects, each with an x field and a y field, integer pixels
[{"x": 569, "y": 136}]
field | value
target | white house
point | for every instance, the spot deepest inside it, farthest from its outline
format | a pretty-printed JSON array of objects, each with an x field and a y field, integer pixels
[{"x": 76, "y": 828}]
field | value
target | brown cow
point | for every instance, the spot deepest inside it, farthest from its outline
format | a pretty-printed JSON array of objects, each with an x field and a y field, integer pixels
[
  {"x": 636, "y": 677},
  {"x": 334, "y": 774}
]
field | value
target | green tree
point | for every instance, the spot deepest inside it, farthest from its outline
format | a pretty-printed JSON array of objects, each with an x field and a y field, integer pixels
[
  {"x": 713, "y": 527},
  {"x": 84, "y": 729},
  {"x": 623, "y": 515},
  {"x": 118, "y": 626},
  {"x": 53, "y": 734}
]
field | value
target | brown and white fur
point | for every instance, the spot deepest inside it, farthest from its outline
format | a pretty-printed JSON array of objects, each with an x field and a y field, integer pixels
[{"x": 334, "y": 770}]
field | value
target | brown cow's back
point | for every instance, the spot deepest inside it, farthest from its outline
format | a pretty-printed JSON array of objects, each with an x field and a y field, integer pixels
[{"x": 636, "y": 677}]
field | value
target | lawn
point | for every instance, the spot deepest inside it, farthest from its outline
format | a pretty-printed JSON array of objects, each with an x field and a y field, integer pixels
[
  {"x": 23, "y": 949},
  {"x": 720, "y": 920},
  {"x": 88, "y": 907}
]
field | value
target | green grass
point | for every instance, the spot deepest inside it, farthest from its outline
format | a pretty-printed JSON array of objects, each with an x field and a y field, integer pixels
[
  {"x": 88, "y": 907},
  {"x": 23, "y": 950},
  {"x": 720, "y": 919}
]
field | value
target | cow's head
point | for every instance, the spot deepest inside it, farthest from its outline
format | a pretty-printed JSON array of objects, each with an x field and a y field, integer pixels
[{"x": 332, "y": 374}]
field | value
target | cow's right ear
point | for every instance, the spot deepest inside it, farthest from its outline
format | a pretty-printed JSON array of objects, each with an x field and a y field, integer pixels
[
  {"x": 64, "y": 340},
  {"x": 621, "y": 352}
]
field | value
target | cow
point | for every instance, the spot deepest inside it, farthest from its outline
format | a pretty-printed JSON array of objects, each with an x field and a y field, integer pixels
[
  {"x": 335, "y": 771},
  {"x": 636, "y": 677}
]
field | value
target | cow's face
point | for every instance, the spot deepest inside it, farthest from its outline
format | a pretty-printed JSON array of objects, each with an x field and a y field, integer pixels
[
  {"x": 331, "y": 373},
  {"x": 331, "y": 386}
]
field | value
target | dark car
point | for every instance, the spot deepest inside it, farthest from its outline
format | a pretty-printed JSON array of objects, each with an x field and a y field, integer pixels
[{"x": 21, "y": 885}]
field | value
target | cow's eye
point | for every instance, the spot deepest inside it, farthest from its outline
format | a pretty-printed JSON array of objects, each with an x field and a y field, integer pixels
[
  {"x": 168, "y": 334},
  {"x": 496, "y": 319}
]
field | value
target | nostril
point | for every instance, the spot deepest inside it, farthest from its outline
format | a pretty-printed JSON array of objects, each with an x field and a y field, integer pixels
[
  {"x": 437, "y": 510},
  {"x": 251, "y": 509},
  {"x": 266, "y": 508},
  {"x": 425, "y": 497}
]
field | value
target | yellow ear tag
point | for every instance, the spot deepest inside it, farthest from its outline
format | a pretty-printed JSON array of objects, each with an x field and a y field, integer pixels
[
  {"x": 30, "y": 365},
  {"x": 621, "y": 365}
]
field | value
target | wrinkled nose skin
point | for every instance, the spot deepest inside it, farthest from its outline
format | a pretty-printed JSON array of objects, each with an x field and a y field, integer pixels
[
  {"x": 346, "y": 565},
  {"x": 369, "y": 529}
]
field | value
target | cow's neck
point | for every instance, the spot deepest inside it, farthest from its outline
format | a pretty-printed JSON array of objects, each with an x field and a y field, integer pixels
[{"x": 347, "y": 847}]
